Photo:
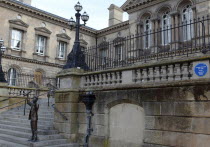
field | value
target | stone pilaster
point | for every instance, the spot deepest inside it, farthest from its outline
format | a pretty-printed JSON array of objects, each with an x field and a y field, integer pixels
[
  {"x": 3, "y": 96},
  {"x": 67, "y": 102}
]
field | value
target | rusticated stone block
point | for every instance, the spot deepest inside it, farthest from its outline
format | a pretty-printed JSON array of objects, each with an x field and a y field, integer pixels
[
  {"x": 81, "y": 108},
  {"x": 82, "y": 118},
  {"x": 72, "y": 117},
  {"x": 67, "y": 107},
  {"x": 153, "y": 137},
  {"x": 177, "y": 124},
  {"x": 150, "y": 122},
  {"x": 99, "y": 130},
  {"x": 200, "y": 140},
  {"x": 189, "y": 108},
  {"x": 201, "y": 125},
  {"x": 66, "y": 127},
  {"x": 177, "y": 139},
  {"x": 67, "y": 97},
  {"x": 152, "y": 108},
  {"x": 167, "y": 108},
  {"x": 98, "y": 119}
]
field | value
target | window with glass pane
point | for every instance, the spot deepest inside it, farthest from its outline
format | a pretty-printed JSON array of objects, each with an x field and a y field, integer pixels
[
  {"x": 166, "y": 32},
  {"x": 41, "y": 45},
  {"x": 62, "y": 49},
  {"x": 16, "y": 40},
  {"x": 187, "y": 18},
  {"x": 103, "y": 55},
  {"x": 118, "y": 52},
  {"x": 147, "y": 37},
  {"x": 12, "y": 77}
]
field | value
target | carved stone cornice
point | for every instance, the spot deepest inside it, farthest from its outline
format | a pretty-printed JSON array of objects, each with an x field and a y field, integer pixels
[
  {"x": 64, "y": 36},
  {"x": 43, "y": 30},
  {"x": 113, "y": 29},
  {"x": 40, "y": 14},
  {"x": 134, "y": 5},
  {"x": 19, "y": 23},
  {"x": 32, "y": 61}
]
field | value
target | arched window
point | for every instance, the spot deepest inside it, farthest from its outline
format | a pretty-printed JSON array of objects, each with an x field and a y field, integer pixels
[
  {"x": 147, "y": 31},
  {"x": 12, "y": 77},
  {"x": 187, "y": 18},
  {"x": 166, "y": 32},
  {"x": 103, "y": 52},
  {"x": 38, "y": 77}
]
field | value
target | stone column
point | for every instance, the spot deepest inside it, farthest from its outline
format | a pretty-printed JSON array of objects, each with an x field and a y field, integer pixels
[
  {"x": 67, "y": 102},
  {"x": 154, "y": 36},
  {"x": 175, "y": 30},
  {"x": 3, "y": 95}
]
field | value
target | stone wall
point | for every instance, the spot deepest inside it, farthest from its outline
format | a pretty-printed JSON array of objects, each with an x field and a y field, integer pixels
[
  {"x": 174, "y": 116},
  {"x": 136, "y": 107}
]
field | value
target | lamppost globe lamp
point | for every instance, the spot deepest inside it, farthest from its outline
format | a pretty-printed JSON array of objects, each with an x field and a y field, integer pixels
[
  {"x": 76, "y": 58},
  {"x": 85, "y": 17},
  {"x": 78, "y": 7},
  {"x": 71, "y": 22}
]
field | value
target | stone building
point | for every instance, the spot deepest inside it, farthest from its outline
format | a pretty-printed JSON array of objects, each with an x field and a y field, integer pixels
[
  {"x": 145, "y": 71},
  {"x": 37, "y": 42}
]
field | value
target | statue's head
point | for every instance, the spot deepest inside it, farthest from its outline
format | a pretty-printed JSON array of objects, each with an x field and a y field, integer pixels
[{"x": 35, "y": 99}]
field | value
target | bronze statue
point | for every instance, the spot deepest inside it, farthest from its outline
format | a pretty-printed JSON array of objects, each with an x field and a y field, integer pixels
[{"x": 33, "y": 116}]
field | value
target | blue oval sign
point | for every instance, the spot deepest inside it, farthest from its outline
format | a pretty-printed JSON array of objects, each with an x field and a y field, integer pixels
[{"x": 201, "y": 69}]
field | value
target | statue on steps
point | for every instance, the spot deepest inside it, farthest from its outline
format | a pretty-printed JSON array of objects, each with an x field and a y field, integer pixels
[{"x": 33, "y": 116}]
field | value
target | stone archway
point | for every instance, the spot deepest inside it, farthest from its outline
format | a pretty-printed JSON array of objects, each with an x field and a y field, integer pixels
[{"x": 126, "y": 125}]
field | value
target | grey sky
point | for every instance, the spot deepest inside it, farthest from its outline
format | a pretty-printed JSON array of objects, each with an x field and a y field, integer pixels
[{"x": 97, "y": 9}]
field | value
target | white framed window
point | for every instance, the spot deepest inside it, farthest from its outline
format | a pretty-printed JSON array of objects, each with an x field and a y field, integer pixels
[
  {"x": 62, "y": 49},
  {"x": 187, "y": 19},
  {"x": 12, "y": 77},
  {"x": 118, "y": 52},
  {"x": 103, "y": 55},
  {"x": 16, "y": 40},
  {"x": 41, "y": 44},
  {"x": 166, "y": 25},
  {"x": 147, "y": 31}
]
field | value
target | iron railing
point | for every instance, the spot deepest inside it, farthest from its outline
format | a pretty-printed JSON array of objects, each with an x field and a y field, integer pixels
[
  {"x": 24, "y": 80},
  {"x": 183, "y": 39}
]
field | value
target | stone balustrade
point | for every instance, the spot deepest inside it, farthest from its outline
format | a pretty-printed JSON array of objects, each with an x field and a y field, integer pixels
[
  {"x": 163, "y": 73},
  {"x": 102, "y": 79},
  {"x": 155, "y": 73},
  {"x": 15, "y": 91}
]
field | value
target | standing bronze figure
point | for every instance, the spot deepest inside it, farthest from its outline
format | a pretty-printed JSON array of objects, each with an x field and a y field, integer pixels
[{"x": 33, "y": 116}]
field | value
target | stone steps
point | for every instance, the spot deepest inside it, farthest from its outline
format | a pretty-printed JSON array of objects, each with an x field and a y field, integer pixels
[
  {"x": 28, "y": 130},
  {"x": 65, "y": 145},
  {"x": 15, "y": 128},
  {"x": 26, "y": 124},
  {"x": 41, "y": 122},
  {"x": 25, "y": 117},
  {"x": 51, "y": 115},
  {"x": 27, "y": 135},
  {"x": 24, "y": 141},
  {"x": 4, "y": 143}
]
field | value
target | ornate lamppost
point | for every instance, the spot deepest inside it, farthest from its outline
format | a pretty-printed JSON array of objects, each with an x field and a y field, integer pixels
[
  {"x": 88, "y": 99},
  {"x": 76, "y": 58},
  {"x": 2, "y": 49}
]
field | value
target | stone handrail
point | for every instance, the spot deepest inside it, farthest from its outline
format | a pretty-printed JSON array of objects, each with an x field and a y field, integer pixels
[
  {"x": 103, "y": 79},
  {"x": 151, "y": 74}
]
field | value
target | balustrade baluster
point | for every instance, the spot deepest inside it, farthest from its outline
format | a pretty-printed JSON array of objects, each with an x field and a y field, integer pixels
[
  {"x": 185, "y": 71},
  {"x": 163, "y": 73},
  {"x": 157, "y": 74},
  {"x": 177, "y": 70}
]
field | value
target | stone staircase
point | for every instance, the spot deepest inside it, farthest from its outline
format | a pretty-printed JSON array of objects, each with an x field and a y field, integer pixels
[{"x": 15, "y": 128}]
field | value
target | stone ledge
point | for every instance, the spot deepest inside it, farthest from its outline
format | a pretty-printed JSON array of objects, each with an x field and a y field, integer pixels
[{"x": 195, "y": 82}]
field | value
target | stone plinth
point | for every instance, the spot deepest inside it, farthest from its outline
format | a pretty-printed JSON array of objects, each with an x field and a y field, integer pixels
[
  {"x": 67, "y": 102},
  {"x": 3, "y": 96}
]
